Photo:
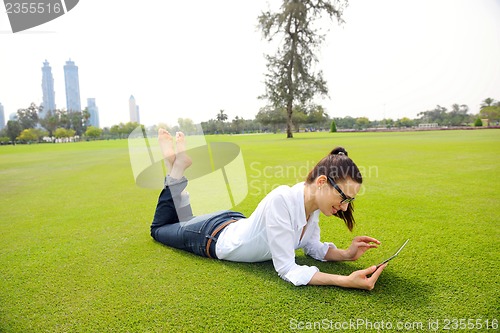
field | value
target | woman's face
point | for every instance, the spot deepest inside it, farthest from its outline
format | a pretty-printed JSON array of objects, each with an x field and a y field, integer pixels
[{"x": 329, "y": 199}]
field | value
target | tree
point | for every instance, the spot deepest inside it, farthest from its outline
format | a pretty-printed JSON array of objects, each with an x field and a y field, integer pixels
[
  {"x": 27, "y": 136},
  {"x": 237, "y": 124},
  {"x": 50, "y": 122},
  {"x": 209, "y": 127},
  {"x": 13, "y": 130},
  {"x": 31, "y": 134},
  {"x": 64, "y": 120},
  {"x": 487, "y": 102},
  {"x": 458, "y": 115},
  {"x": 115, "y": 131},
  {"x": 93, "y": 132},
  {"x": 60, "y": 132},
  {"x": 362, "y": 122},
  {"x": 346, "y": 122},
  {"x": 186, "y": 125},
  {"x": 478, "y": 122},
  {"x": 64, "y": 133},
  {"x": 290, "y": 77},
  {"x": 28, "y": 118},
  {"x": 85, "y": 117},
  {"x": 437, "y": 115},
  {"x": 492, "y": 113},
  {"x": 221, "y": 116},
  {"x": 388, "y": 123},
  {"x": 271, "y": 116},
  {"x": 129, "y": 127},
  {"x": 316, "y": 115},
  {"x": 76, "y": 122},
  {"x": 333, "y": 127},
  {"x": 404, "y": 122}
]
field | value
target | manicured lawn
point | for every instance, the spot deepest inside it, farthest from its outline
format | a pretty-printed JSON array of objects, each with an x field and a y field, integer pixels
[{"x": 76, "y": 255}]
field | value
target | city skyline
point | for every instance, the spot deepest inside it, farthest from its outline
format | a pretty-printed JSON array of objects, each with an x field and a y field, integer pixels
[{"x": 72, "y": 90}]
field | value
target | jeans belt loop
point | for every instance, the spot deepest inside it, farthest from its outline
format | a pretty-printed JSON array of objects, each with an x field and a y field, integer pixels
[{"x": 216, "y": 231}]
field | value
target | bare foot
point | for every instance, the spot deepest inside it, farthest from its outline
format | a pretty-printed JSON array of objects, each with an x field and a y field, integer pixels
[
  {"x": 182, "y": 160},
  {"x": 167, "y": 147}
]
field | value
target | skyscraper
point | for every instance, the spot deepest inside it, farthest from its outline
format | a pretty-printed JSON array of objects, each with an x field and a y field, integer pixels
[
  {"x": 133, "y": 110},
  {"x": 49, "y": 96},
  {"x": 72, "y": 84},
  {"x": 94, "y": 112},
  {"x": 2, "y": 117}
]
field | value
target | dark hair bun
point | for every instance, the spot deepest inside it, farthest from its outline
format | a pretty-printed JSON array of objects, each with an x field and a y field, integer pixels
[{"x": 339, "y": 151}]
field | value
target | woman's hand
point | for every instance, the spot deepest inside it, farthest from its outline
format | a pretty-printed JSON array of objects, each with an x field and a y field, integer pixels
[
  {"x": 361, "y": 279},
  {"x": 359, "y": 246}
]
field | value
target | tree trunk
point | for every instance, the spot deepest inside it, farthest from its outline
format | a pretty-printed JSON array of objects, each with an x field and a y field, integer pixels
[
  {"x": 291, "y": 92},
  {"x": 289, "y": 123}
]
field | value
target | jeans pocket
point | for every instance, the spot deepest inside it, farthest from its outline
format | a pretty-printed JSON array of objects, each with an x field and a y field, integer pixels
[
  {"x": 195, "y": 225},
  {"x": 200, "y": 223}
]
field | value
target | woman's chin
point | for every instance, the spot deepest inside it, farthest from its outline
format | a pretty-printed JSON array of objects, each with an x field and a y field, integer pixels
[{"x": 330, "y": 212}]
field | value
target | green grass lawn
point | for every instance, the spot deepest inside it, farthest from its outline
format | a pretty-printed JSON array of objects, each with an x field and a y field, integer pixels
[{"x": 76, "y": 255}]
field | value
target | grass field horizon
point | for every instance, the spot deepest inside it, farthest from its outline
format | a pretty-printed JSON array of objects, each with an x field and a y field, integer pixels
[{"x": 76, "y": 255}]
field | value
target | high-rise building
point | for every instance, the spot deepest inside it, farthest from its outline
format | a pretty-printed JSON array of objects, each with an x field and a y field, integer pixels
[
  {"x": 2, "y": 117},
  {"x": 94, "y": 112},
  {"x": 49, "y": 96},
  {"x": 72, "y": 84},
  {"x": 133, "y": 110}
]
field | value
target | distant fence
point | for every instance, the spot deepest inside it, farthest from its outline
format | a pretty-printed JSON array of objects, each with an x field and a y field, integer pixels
[{"x": 419, "y": 129}]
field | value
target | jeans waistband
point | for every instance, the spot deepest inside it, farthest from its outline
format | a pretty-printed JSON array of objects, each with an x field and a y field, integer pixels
[
  {"x": 221, "y": 221},
  {"x": 212, "y": 239}
]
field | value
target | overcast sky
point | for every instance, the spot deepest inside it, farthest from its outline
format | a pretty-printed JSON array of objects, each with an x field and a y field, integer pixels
[{"x": 190, "y": 59}]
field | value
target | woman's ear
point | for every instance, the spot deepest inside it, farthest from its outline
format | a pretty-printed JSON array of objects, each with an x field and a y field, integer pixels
[{"x": 321, "y": 180}]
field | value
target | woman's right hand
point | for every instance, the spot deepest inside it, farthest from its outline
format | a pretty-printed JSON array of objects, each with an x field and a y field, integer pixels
[{"x": 362, "y": 280}]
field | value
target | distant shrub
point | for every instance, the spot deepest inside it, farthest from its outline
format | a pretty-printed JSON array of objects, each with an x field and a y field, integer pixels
[{"x": 333, "y": 127}]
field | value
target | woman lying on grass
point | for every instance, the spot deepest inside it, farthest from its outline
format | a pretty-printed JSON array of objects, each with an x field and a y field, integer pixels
[{"x": 285, "y": 220}]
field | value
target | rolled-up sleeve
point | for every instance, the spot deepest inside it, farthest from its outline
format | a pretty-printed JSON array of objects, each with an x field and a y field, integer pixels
[
  {"x": 314, "y": 247},
  {"x": 280, "y": 235}
]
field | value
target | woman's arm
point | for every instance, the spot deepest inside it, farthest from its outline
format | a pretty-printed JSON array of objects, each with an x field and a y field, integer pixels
[
  {"x": 358, "y": 279},
  {"x": 281, "y": 240},
  {"x": 359, "y": 246}
]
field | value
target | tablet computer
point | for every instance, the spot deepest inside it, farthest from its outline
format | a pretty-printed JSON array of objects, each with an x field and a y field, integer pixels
[{"x": 395, "y": 254}]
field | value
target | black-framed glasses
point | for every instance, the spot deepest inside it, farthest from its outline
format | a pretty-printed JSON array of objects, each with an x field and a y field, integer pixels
[{"x": 345, "y": 198}]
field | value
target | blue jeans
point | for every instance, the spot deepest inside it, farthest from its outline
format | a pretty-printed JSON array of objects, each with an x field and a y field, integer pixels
[{"x": 178, "y": 228}]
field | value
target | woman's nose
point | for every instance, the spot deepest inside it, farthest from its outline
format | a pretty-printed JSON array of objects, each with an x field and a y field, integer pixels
[{"x": 343, "y": 206}]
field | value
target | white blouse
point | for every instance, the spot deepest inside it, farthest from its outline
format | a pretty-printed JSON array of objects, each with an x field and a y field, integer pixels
[{"x": 273, "y": 232}]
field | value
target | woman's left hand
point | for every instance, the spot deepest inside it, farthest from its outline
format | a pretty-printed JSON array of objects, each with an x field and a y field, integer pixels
[{"x": 359, "y": 246}]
